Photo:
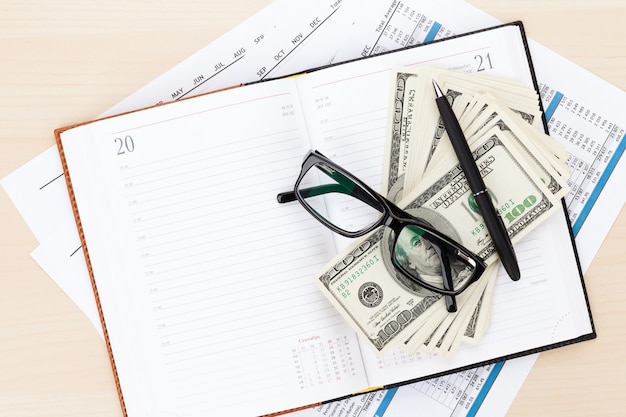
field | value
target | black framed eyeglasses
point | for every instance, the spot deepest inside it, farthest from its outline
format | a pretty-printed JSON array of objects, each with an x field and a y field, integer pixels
[{"x": 418, "y": 252}]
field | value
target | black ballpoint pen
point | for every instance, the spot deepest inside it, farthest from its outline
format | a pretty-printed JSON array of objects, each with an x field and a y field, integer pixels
[{"x": 493, "y": 221}]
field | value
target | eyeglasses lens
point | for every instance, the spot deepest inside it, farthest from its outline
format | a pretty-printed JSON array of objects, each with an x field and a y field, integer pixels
[
  {"x": 426, "y": 261},
  {"x": 337, "y": 200}
]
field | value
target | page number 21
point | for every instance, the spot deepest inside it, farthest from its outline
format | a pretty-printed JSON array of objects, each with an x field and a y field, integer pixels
[{"x": 484, "y": 62}]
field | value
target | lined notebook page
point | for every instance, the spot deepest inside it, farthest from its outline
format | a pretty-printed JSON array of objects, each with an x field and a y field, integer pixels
[{"x": 205, "y": 280}]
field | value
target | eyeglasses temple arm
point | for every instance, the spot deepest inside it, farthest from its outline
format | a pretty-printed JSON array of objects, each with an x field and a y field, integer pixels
[
  {"x": 288, "y": 196},
  {"x": 448, "y": 284}
]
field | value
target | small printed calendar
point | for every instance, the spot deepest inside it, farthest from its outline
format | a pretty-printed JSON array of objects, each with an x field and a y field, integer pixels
[{"x": 318, "y": 361}]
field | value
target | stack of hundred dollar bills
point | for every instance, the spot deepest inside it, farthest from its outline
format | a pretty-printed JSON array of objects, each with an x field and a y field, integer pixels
[{"x": 525, "y": 173}]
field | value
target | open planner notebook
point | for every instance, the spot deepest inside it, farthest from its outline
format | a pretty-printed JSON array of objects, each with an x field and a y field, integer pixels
[{"x": 205, "y": 283}]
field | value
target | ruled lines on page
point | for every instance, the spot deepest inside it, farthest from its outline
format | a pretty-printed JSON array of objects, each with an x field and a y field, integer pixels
[{"x": 218, "y": 274}]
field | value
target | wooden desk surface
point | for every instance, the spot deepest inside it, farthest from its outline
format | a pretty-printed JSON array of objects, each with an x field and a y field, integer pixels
[{"x": 63, "y": 62}]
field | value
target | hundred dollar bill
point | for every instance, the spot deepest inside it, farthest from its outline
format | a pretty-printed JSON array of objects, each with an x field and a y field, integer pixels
[
  {"x": 368, "y": 295},
  {"x": 519, "y": 196},
  {"x": 552, "y": 172},
  {"x": 427, "y": 127},
  {"x": 480, "y": 116},
  {"x": 555, "y": 179},
  {"x": 424, "y": 142},
  {"x": 387, "y": 309},
  {"x": 458, "y": 323},
  {"x": 472, "y": 113},
  {"x": 479, "y": 322},
  {"x": 521, "y": 99},
  {"x": 398, "y": 128},
  {"x": 511, "y": 93},
  {"x": 552, "y": 150},
  {"x": 475, "y": 306},
  {"x": 404, "y": 107},
  {"x": 470, "y": 327},
  {"x": 451, "y": 323}
]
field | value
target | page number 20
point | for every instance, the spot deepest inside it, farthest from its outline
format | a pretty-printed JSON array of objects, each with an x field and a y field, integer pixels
[
  {"x": 484, "y": 62},
  {"x": 127, "y": 144}
]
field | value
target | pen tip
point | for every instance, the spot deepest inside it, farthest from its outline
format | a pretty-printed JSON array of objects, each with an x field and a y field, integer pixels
[
  {"x": 512, "y": 268},
  {"x": 438, "y": 92}
]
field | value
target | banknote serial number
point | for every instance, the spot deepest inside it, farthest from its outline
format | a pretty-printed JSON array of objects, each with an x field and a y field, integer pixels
[
  {"x": 509, "y": 211},
  {"x": 342, "y": 287}
]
